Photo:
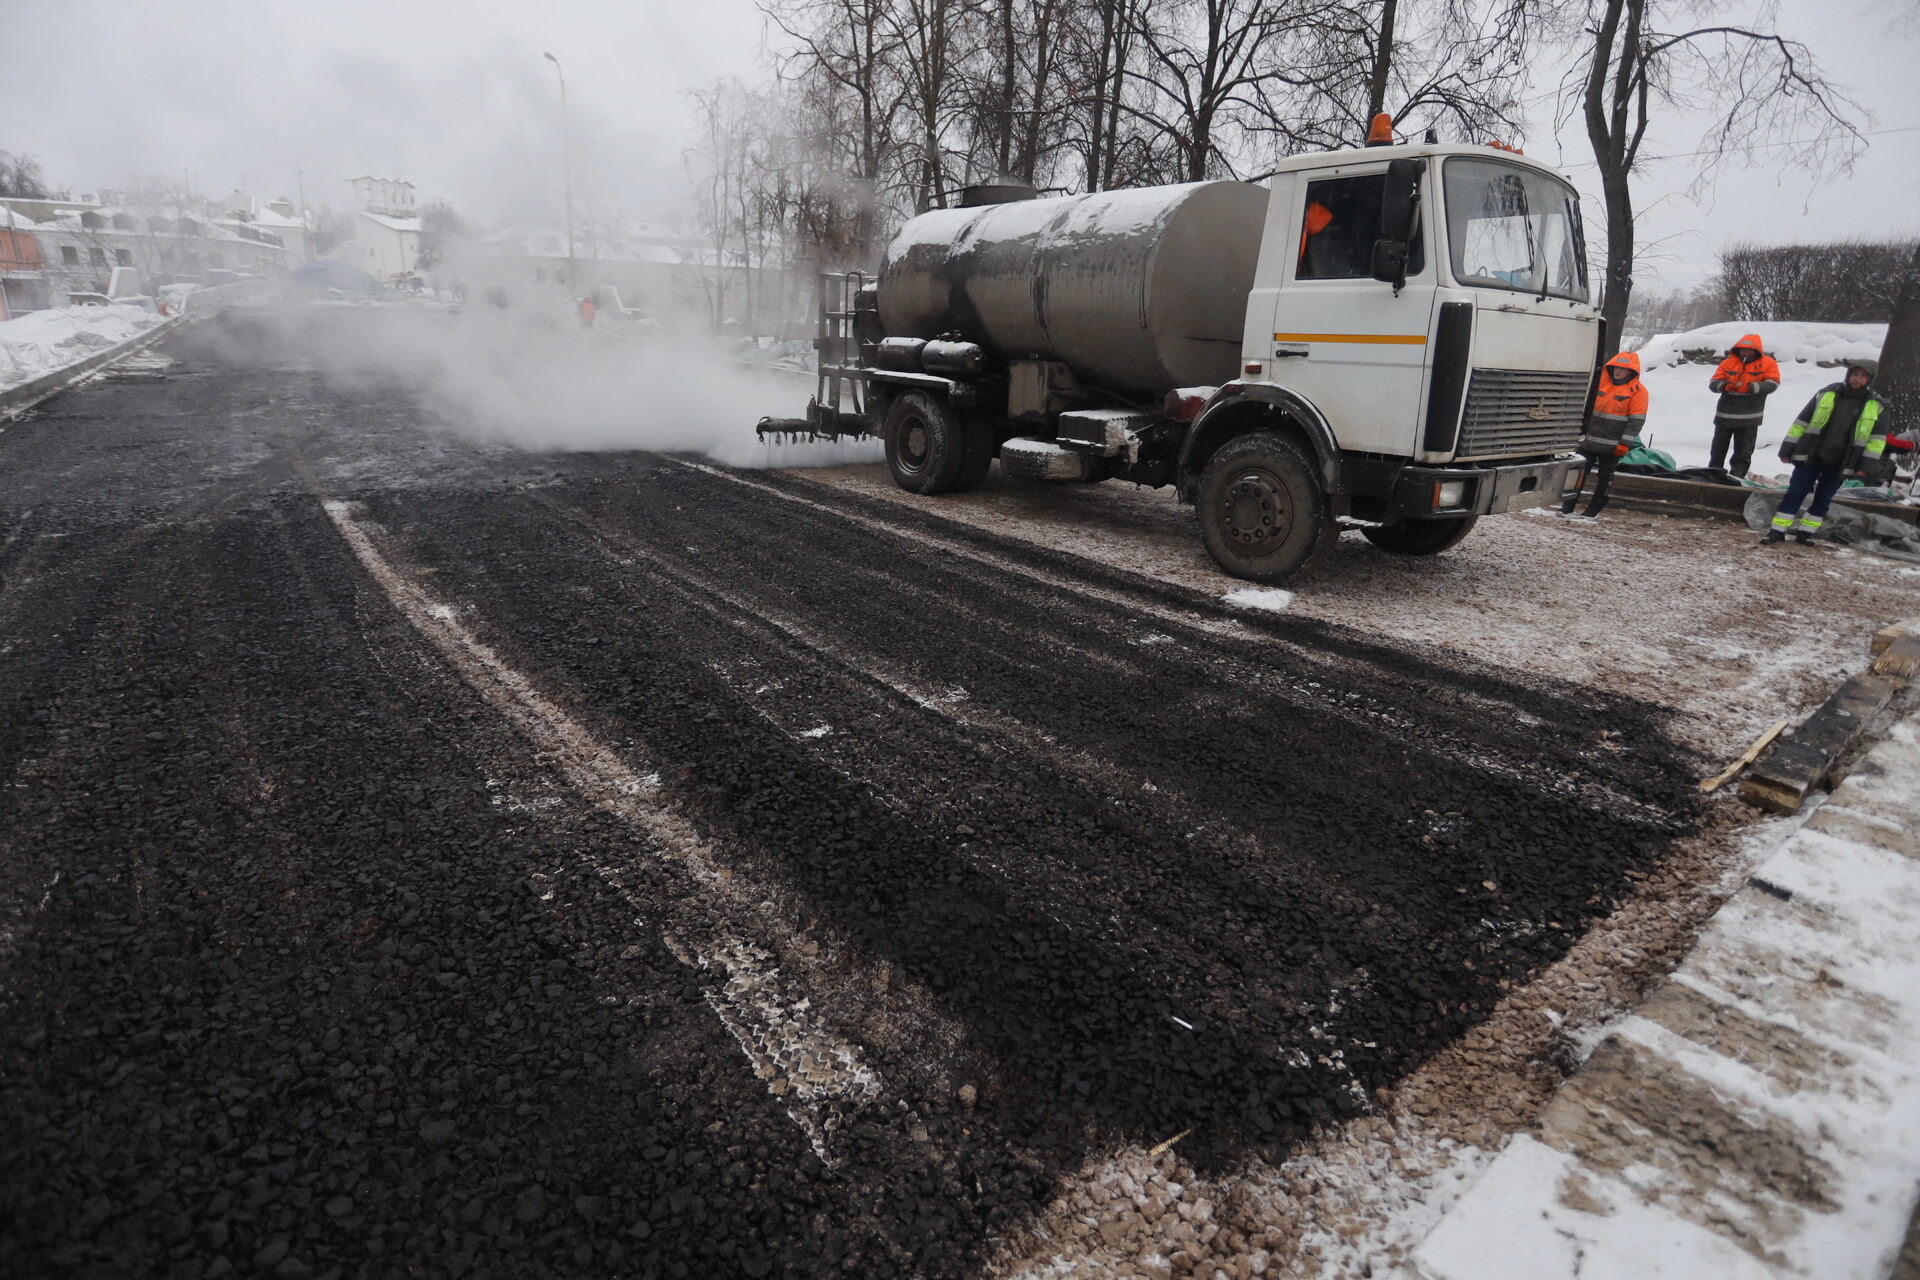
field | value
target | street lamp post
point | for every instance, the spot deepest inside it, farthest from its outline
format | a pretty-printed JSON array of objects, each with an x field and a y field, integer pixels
[{"x": 566, "y": 160}]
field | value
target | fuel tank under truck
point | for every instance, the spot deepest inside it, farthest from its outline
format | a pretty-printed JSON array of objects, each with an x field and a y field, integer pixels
[{"x": 1140, "y": 291}]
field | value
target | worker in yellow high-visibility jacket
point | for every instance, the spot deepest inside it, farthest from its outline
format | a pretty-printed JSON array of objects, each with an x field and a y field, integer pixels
[{"x": 1842, "y": 427}]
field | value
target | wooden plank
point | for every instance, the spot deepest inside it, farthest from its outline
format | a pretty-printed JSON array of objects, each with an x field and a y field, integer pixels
[
  {"x": 1787, "y": 777},
  {"x": 1747, "y": 757},
  {"x": 1885, "y": 636},
  {"x": 1899, "y": 660}
]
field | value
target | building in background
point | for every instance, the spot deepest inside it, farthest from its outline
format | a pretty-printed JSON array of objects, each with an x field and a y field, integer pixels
[
  {"x": 385, "y": 229},
  {"x": 390, "y": 196},
  {"x": 165, "y": 243},
  {"x": 23, "y": 277},
  {"x": 39, "y": 209},
  {"x": 294, "y": 228},
  {"x": 655, "y": 270}
]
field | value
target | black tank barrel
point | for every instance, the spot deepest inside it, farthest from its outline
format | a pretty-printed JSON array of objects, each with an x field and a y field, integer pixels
[{"x": 954, "y": 359}]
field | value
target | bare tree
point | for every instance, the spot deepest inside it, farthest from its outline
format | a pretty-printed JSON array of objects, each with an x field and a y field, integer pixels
[
  {"x": 844, "y": 52},
  {"x": 1673, "y": 312},
  {"x": 1210, "y": 66},
  {"x": 21, "y": 176},
  {"x": 1453, "y": 64},
  {"x": 1899, "y": 377},
  {"x": 440, "y": 226},
  {"x": 1104, "y": 58},
  {"x": 717, "y": 166},
  {"x": 1014, "y": 93},
  {"x": 1094, "y": 94},
  {"x": 1764, "y": 92},
  {"x": 1852, "y": 281},
  {"x": 926, "y": 40}
]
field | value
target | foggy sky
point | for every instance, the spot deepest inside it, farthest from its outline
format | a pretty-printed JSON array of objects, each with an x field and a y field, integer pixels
[{"x": 454, "y": 97}]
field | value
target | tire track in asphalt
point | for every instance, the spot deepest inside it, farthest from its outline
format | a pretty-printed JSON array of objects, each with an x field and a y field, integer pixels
[
  {"x": 788, "y": 1047},
  {"x": 1228, "y": 637},
  {"x": 949, "y": 702}
]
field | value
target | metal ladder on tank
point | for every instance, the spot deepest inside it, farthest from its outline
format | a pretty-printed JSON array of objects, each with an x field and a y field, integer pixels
[{"x": 837, "y": 346}]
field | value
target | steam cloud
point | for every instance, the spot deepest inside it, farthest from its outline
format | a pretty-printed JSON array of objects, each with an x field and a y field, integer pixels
[{"x": 512, "y": 378}]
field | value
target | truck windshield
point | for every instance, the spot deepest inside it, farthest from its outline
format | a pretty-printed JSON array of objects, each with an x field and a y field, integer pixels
[{"x": 1514, "y": 228}]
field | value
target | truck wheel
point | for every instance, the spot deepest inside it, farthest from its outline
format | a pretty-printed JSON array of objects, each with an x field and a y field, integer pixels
[
  {"x": 926, "y": 443},
  {"x": 1421, "y": 537},
  {"x": 983, "y": 442},
  {"x": 1262, "y": 514}
]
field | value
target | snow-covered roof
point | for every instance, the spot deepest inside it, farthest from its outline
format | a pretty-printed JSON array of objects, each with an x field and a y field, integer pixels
[
  {"x": 392, "y": 223},
  {"x": 367, "y": 177},
  {"x": 205, "y": 228},
  {"x": 265, "y": 217}
]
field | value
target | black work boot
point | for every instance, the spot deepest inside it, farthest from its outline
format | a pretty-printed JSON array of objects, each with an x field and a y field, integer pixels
[
  {"x": 1804, "y": 538},
  {"x": 1773, "y": 537}
]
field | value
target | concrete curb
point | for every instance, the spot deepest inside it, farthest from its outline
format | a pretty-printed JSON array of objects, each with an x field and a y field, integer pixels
[
  {"x": 16, "y": 400},
  {"x": 202, "y": 304},
  {"x": 1759, "y": 1116}
]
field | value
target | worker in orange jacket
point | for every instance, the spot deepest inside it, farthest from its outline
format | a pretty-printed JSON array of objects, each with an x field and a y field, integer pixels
[
  {"x": 1744, "y": 380},
  {"x": 1613, "y": 427},
  {"x": 1318, "y": 219}
]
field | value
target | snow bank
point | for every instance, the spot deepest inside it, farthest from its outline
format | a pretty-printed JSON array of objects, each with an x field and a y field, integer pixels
[
  {"x": 43, "y": 342},
  {"x": 1680, "y": 408}
]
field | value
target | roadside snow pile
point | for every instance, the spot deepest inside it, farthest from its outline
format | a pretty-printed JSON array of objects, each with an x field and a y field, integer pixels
[
  {"x": 1677, "y": 367},
  {"x": 42, "y": 342}
]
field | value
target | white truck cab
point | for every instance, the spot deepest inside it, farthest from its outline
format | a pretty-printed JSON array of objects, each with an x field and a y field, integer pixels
[{"x": 1495, "y": 277}]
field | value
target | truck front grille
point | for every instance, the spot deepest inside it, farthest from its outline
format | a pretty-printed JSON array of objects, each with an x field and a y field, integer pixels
[{"x": 1518, "y": 412}]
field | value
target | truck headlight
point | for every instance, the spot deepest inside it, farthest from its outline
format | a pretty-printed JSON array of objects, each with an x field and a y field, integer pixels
[{"x": 1449, "y": 493}]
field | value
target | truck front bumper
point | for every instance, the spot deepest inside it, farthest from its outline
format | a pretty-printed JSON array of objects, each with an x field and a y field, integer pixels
[{"x": 1424, "y": 492}]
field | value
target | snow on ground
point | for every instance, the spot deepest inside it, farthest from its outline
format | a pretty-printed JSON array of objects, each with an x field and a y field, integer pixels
[
  {"x": 1272, "y": 598},
  {"x": 1680, "y": 408},
  {"x": 1793, "y": 1029},
  {"x": 42, "y": 342}
]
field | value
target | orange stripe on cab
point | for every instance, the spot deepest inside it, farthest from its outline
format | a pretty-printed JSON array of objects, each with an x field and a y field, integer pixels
[{"x": 1393, "y": 339}]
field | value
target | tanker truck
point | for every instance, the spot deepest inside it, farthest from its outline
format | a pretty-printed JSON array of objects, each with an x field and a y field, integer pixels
[{"x": 1394, "y": 338}]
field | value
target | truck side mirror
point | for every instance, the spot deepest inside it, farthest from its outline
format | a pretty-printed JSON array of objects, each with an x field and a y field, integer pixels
[
  {"x": 1399, "y": 212},
  {"x": 1390, "y": 261},
  {"x": 1400, "y": 201}
]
